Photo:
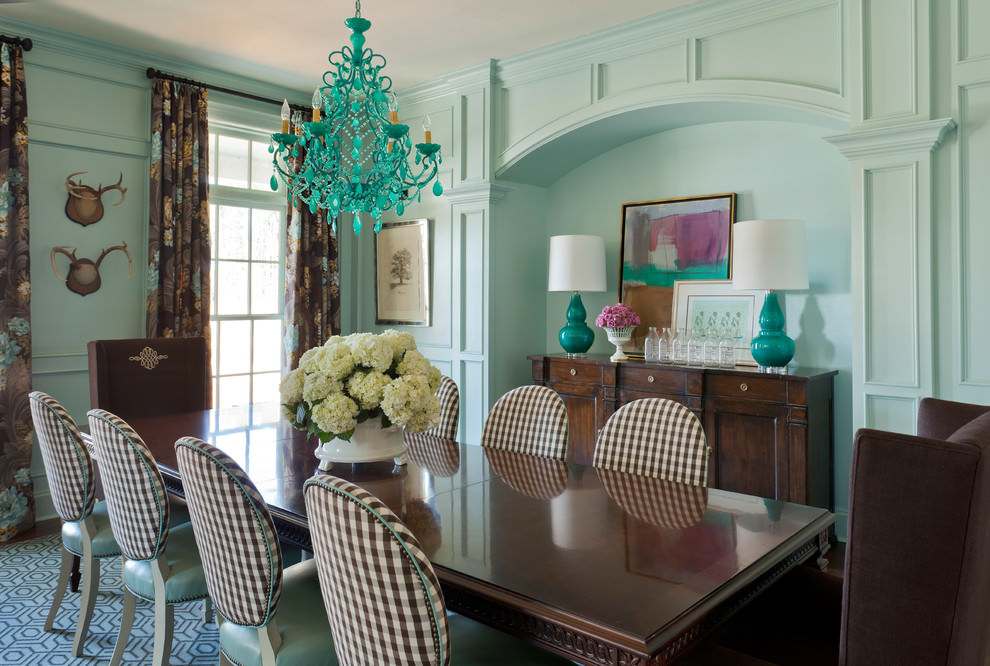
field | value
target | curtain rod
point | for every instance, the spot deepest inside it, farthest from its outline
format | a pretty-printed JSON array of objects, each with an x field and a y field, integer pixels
[
  {"x": 153, "y": 73},
  {"x": 24, "y": 43}
]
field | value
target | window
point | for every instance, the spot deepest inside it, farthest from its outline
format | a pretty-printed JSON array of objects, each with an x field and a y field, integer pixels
[{"x": 246, "y": 233}]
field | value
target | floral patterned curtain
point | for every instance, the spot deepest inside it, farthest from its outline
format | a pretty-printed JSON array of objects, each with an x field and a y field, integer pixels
[
  {"x": 16, "y": 489},
  {"x": 179, "y": 235},
  {"x": 312, "y": 284}
]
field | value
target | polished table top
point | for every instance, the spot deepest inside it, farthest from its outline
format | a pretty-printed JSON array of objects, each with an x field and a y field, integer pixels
[{"x": 599, "y": 566}]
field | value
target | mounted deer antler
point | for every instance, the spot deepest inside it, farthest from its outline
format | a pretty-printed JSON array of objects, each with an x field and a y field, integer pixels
[
  {"x": 85, "y": 204},
  {"x": 84, "y": 274}
]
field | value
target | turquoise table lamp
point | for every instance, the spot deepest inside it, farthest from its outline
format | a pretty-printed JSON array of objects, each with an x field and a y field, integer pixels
[
  {"x": 770, "y": 255},
  {"x": 577, "y": 263}
]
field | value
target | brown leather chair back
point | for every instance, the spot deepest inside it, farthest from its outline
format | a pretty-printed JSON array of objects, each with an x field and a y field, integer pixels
[
  {"x": 917, "y": 570},
  {"x": 139, "y": 377}
]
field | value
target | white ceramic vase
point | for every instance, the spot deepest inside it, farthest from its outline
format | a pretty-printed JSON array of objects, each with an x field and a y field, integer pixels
[
  {"x": 619, "y": 337},
  {"x": 370, "y": 442}
]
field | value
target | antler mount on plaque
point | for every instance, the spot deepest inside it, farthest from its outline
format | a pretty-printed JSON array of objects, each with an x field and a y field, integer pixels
[
  {"x": 84, "y": 274},
  {"x": 85, "y": 204}
]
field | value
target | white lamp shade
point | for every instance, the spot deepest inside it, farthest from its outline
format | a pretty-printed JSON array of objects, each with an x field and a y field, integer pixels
[
  {"x": 577, "y": 263},
  {"x": 769, "y": 254}
]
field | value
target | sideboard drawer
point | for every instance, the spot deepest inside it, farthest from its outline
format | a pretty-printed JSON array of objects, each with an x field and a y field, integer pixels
[
  {"x": 747, "y": 386},
  {"x": 563, "y": 371},
  {"x": 652, "y": 378}
]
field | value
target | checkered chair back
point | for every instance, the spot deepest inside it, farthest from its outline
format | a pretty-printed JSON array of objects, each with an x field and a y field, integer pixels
[
  {"x": 533, "y": 476},
  {"x": 654, "y": 437},
  {"x": 449, "y": 410},
  {"x": 655, "y": 501},
  {"x": 68, "y": 463},
  {"x": 242, "y": 559},
  {"x": 381, "y": 593},
  {"x": 134, "y": 489},
  {"x": 441, "y": 456},
  {"x": 528, "y": 419}
]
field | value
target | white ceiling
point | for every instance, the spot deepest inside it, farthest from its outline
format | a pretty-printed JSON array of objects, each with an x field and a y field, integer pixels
[{"x": 287, "y": 43}]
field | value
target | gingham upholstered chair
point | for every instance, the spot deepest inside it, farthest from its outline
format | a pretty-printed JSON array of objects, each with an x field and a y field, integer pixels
[
  {"x": 86, "y": 531},
  {"x": 441, "y": 456},
  {"x": 533, "y": 476},
  {"x": 271, "y": 616},
  {"x": 162, "y": 562},
  {"x": 382, "y": 594},
  {"x": 655, "y": 501},
  {"x": 528, "y": 419},
  {"x": 449, "y": 410},
  {"x": 654, "y": 437}
]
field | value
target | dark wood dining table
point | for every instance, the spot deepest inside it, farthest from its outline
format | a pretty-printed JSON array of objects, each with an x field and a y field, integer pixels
[{"x": 601, "y": 567}]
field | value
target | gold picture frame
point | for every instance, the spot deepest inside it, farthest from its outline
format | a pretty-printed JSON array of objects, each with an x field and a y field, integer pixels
[{"x": 688, "y": 238}]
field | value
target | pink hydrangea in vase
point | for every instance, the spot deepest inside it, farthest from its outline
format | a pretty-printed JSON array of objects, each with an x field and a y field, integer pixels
[{"x": 618, "y": 320}]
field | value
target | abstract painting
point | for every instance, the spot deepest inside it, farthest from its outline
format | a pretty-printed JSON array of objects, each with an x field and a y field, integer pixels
[{"x": 669, "y": 240}]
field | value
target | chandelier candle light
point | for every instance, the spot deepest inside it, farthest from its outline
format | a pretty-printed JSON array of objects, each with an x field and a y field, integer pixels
[
  {"x": 353, "y": 156},
  {"x": 618, "y": 320}
]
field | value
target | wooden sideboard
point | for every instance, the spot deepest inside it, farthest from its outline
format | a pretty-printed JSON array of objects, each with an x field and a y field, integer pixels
[{"x": 771, "y": 435}]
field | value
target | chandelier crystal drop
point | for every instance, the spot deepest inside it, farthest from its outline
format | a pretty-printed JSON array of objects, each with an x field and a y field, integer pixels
[{"x": 353, "y": 155}]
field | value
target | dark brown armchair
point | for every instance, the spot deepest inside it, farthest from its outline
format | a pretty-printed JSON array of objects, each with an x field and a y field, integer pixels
[
  {"x": 916, "y": 588},
  {"x": 140, "y": 377}
]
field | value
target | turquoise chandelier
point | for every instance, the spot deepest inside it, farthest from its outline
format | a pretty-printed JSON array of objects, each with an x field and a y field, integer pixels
[{"x": 354, "y": 155}]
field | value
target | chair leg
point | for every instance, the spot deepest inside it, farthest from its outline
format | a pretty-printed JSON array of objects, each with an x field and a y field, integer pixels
[
  {"x": 63, "y": 581},
  {"x": 90, "y": 585},
  {"x": 126, "y": 620},
  {"x": 207, "y": 610},
  {"x": 164, "y": 613},
  {"x": 164, "y": 628}
]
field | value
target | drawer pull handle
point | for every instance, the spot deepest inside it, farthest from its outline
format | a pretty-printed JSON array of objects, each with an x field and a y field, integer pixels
[
  {"x": 573, "y": 372},
  {"x": 651, "y": 379},
  {"x": 744, "y": 387}
]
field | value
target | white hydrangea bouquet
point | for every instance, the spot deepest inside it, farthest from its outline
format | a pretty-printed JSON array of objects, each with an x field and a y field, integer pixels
[{"x": 358, "y": 377}]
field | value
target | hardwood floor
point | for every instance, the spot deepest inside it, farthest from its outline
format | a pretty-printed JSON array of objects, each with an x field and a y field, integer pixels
[{"x": 41, "y": 528}]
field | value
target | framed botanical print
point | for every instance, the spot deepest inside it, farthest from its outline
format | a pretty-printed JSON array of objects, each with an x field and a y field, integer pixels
[
  {"x": 402, "y": 273},
  {"x": 668, "y": 240},
  {"x": 714, "y": 307}
]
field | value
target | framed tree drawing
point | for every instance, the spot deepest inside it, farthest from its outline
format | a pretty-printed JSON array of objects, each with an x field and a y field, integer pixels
[
  {"x": 669, "y": 240},
  {"x": 402, "y": 273}
]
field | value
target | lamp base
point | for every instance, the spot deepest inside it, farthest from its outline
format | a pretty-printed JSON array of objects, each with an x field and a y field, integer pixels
[
  {"x": 576, "y": 336},
  {"x": 771, "y": 347}
]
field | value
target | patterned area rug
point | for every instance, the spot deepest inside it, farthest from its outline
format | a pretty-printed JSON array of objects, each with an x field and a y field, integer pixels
[{"x": 28, "y": 573}]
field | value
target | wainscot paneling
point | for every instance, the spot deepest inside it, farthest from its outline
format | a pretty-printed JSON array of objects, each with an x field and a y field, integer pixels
[
  {"x": 667, "y": 64},
  {"x": 973, "y": 274},
  {"x": 891, "y": 282},
  {"x": 973, "y": 17},
  {"x": 812, "y": 40},
  {"x": 895, "y": 51},
  {"x": 528, "y": 106},
  {"x": 893, "y": 414}
]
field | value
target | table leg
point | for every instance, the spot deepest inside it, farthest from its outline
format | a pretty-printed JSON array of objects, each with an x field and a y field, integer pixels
[{"x": 824, "y": 544}]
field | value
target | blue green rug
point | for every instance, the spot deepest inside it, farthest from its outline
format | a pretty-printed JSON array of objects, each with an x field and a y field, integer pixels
[{"x": 28, "y": 572}]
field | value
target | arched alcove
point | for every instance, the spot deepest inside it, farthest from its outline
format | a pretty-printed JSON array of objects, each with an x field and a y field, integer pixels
[{"x": 548, "y": 154}]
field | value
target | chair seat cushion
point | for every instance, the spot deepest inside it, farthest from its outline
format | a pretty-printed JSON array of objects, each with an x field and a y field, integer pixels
[
  {"x": 302, "y": 624},
  {"x": 185, "y": 581},
  {"x": 478, "y": 644},
  {"x": 104, "y": 545}
]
